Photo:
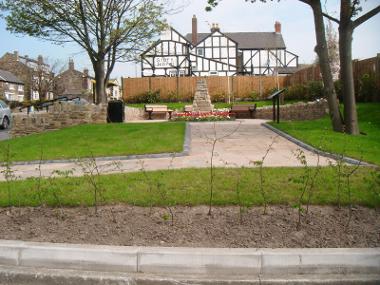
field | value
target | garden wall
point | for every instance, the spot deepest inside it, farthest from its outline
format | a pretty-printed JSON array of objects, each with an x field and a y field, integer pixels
[
  {"x": 295, "y": 112},
  {"x": 183, "y": 88},
  {"x": 60, "y": 115}
]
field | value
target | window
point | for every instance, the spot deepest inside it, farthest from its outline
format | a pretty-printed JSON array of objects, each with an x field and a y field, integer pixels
[
  {"x": 200, "y": 51},
  {"x": 20, "y": 88},
  {"x": 11, "y": 86}
]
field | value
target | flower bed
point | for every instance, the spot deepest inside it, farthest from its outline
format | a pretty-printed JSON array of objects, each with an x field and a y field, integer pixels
[{"x": 203, "y": 116}]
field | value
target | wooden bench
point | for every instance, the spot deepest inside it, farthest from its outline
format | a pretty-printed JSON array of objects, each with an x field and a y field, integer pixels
[
  {"x": 158, "y": 109},
  {"x": 243, "y": 111}
]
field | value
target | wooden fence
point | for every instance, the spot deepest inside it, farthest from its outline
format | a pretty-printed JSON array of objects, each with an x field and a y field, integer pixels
[
  {"x": 183, "y": 88},
  {"x": 369, "y": 66}
]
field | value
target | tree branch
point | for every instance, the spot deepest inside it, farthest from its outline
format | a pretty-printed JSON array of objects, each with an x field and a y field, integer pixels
[
  {"x": 331, "y": 18},
  {"x": 366, "y": 17}
]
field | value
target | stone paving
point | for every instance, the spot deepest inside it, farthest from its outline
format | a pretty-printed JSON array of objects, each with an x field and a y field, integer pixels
[{"x": 239, "y": 144}]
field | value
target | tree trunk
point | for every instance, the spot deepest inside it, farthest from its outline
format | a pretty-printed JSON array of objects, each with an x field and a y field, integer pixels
[
  {"x": 100, "y": 88},
  {"x": 346, "y": 71},
  {"x": 328, "y": 82}
]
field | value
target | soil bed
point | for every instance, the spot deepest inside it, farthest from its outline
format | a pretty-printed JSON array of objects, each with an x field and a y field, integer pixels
[{"x": 129, "y": 226}]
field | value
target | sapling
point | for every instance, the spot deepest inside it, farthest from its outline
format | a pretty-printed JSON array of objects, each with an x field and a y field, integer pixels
[
  {"x": 91, "y": 172},
  {"x": 260, "y": 165},
  {"x": 54, "y": 188},
  {"x": 214, "y": 140},
  {"x": 8, "y": 172}
]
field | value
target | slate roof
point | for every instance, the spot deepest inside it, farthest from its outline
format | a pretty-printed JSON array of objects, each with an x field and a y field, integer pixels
[
  {"x": 6, "y": 76},
  {"x": 251, "y": 40}
]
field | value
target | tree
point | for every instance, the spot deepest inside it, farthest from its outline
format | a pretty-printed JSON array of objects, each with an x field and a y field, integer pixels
[
  {"x": 108, "y": 30},
  {"x": 347, "y": 24},
  {"x": 322, "y": 50},
  {"x": 43, "y": 77}
]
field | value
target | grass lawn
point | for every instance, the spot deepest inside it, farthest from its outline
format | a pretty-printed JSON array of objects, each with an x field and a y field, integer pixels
[
  {"x": 98, "y": 140},
  {"x": 191, "y": 187},
  {"x": 319, "y": 134},
  {"x": 218, "y": 105}
]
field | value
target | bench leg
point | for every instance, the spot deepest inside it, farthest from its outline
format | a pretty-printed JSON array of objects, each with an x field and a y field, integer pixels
[
  {"x": 170, "y": 115},
  {"x": 150, "y": 115}
]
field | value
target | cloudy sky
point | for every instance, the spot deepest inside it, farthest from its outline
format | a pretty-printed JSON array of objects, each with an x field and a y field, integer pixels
[{"x": 232, "y": 16}]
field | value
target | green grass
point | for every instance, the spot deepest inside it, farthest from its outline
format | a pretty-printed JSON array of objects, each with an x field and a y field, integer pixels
[
  {"x": 319, "y": 134},
  {"x": 218, "y": 105},
  {"x": 191, "y": 187},
  {"x": 98, "y": 140}
]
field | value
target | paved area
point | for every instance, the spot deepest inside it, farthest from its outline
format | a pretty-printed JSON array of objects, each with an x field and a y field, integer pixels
[
  {"x": 4, "y": 135},
  {"x": 238, "y": 143}
]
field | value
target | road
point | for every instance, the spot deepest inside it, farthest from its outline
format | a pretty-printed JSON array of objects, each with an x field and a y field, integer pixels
[{"x": 4, "y": 134}]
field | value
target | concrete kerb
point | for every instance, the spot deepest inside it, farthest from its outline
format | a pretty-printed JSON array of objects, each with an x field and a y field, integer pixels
[
  {"x": 315, "y": 150},
  {"x": 231, "y": 262},
  {"x": 185, "y": 152}
]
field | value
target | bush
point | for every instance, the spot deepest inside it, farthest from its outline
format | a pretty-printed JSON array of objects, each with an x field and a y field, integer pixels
[
  {"x": 308, "y": 92},
  {"x": 219, "y": 97},
  {"x": 368, "y": 90}
]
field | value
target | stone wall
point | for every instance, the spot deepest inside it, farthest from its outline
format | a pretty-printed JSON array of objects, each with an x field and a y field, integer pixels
[
  {"x": 295, "y": 112},
  {"x": 60, "y": 115}
]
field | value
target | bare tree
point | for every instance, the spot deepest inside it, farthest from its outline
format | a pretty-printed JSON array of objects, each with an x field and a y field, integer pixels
[
  {"x": 348, "y": 22},
  {"x": 108, "y": 30}
]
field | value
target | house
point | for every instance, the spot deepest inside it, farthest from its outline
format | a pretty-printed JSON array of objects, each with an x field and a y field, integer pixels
[
  {"x": 73, "y": 83},
  {"x": 11, "y": 87},
  {"x": 113, "y": 89},
  {"x": 35, "y": 74},
  {"x": 217, "y": 53}
]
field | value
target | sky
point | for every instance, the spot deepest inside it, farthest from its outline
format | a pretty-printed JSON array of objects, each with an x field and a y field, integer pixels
[{"x": 232, "y": 16}]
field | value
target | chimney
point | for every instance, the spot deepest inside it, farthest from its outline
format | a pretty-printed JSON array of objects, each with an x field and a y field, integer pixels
[
  {"x": 85, "y": 72},
  {"x": 277, "y": 27},
  {"x": 215, "y": 28},
  {"x": 40, "y": 60},
  {"x": 16, "y": 55},
  {"x": 194, "y": 31},
  {"x": 71, "y": 64}
]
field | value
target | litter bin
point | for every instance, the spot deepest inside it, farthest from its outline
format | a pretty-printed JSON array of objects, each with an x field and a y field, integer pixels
[{"x": 115, "y": 111}]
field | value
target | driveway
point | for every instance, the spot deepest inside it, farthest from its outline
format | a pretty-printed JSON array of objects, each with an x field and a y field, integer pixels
[
  {"x": 4, "y": 135},
  {"x": 239, "y": 143}
]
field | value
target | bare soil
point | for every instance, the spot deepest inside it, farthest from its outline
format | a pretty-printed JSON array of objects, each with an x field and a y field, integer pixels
[{"x": 136, "y": 226}]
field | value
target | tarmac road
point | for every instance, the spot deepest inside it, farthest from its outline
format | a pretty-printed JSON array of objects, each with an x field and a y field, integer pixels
[{"x": 4, "y": 135}]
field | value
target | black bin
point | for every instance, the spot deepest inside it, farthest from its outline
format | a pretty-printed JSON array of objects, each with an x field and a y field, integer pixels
[{"x": 115, "y": 111}]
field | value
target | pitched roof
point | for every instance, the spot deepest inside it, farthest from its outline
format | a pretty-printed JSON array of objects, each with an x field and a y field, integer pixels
[
  {"x": 251, "y": 40},
  {"x": 6, "y": 76}
]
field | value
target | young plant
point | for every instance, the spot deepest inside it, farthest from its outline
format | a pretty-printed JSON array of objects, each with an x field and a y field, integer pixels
[
  {"x": 214, "y": 140},
  {"x": 260, "y": 164},
  {"x": 8, "y": 172},
  {"x": 54, "y": 188},
  {"x": 91, "y": 172}
]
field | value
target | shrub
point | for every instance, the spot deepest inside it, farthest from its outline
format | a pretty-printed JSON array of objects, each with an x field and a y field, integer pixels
[
  {"x": 368, "y": 90},
  {"x": 308, "y": 92},
  {"x": 219, "y": 97},
  {"x": 254, "y": 96}
]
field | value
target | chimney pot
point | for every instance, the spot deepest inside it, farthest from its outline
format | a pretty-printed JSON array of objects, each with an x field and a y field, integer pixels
[
  {"x": 215, "y": 28},
  {"x": 277, "y": 27},
  {"x": 71, "y": 64},
  {"x": 40, "y": 60}
]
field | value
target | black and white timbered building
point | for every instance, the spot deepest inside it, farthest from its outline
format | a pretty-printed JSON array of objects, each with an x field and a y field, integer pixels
[{"x": 218, "y": 54}]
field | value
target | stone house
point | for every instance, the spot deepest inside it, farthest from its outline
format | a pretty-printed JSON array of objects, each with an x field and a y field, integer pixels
[
  {"x": 73, "y": 83},
  {"x": 113, "y": 89},
  {"x": 11, "y": 87},
  {"x": 35, "y": 74}
]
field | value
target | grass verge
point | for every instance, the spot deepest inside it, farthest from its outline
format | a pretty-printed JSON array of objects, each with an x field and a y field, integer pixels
[
  {"x": 98, "y": 140},
  {"x": 319, "y": 134},
  {"x": 191, "y": 187}
]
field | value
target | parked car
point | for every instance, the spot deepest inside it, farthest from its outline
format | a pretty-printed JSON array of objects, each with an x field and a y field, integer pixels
[{"x": 5, "y": 115}]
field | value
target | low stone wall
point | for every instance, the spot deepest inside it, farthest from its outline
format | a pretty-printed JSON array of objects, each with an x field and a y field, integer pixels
[
  {"x": 60, "y": 115},
  {"x": 295, "y": 112}
]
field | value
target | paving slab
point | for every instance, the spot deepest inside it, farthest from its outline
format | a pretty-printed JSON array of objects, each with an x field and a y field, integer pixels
[{"x": 239, "y": 143}]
